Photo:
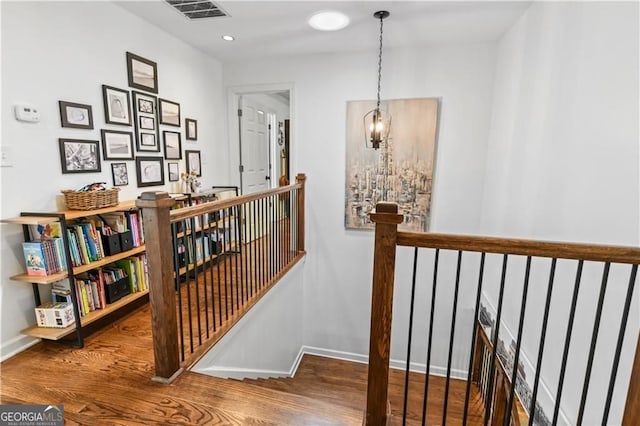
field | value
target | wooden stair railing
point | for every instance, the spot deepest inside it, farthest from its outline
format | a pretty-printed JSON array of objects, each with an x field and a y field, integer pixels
[
  {"x": 164, "y": 268},
  {"x": 500, "y": 388}
]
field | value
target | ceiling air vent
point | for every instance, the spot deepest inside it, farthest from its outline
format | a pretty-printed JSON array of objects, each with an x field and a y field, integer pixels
[{"x": 197, "y": 9}]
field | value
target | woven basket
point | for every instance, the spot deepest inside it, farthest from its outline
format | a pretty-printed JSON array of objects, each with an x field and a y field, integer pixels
[{"x": 88, "y": 200}]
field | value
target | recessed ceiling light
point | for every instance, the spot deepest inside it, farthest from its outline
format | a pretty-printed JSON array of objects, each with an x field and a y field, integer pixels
[
  {"x": 329, "y": 20},
  {"x": 228, "y": 38}
]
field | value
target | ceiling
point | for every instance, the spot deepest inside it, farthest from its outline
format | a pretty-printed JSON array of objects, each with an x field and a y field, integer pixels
[{"x": 279, "y": 28}]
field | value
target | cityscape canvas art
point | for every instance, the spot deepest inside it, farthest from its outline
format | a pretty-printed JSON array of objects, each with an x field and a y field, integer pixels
[{"x": 400, "y": 171}]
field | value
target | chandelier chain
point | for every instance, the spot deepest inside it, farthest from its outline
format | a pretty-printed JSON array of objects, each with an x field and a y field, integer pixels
[{"x": 379, "y": 64}]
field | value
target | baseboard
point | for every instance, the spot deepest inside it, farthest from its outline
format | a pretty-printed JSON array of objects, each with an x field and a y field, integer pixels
[
  {"x": 396, "y": 364},
  {"x": 16, "y": 345}
]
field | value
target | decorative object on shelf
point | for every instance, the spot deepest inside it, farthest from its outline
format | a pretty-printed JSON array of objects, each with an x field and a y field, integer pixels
[
  {"x": 91, "y": 199},
  {"x": 117, "y": 145},
  {"x": 79, "y": 156},
  {"x": 169, "y": 113},
  {"x": 117, "y": 109},
  {"x": 280, "y": 133},
  {"x": 142, "y": 73},
  {"x": 150, "y": 171},
  {"x": 193, "y": 162},
  {"x": 377, "y": 122},
  {"x": 401, "y": 171},
  {"x": 77, "y": 116},
  {"x": 174, "y": 172},
  {"x": 172, "y": 145},
  {"x": 191, "y": 182},
  {"x": 145, "y": 117},
  {"x": 120, "y": 174},
  {"x": 191, "y": 129}
]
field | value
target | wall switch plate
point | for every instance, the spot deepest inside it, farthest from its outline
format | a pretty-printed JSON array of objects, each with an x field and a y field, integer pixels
[
  {"x": 6, "y": 154},
  {"x": 27, "y": 113}
]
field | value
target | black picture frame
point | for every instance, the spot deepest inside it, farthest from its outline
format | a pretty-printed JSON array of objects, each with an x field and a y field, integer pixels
[
  {"x": 146, "y": 123},
  {"x": 169, "y": 112},
  {"x": 79, "y": 156},
  {"x": 117, "y": 108},
  {"x": 117, "y": 145},
  {"x": 75, "y": 116},
  {"x": 173, "y": 172},
  {"x": 120, "y": 174},
  {"x": 193, "y": 162},
  {"x": 190, "y": 129},
  {"x": 172, "y": 145},
  {"x": 149, "y": 171},
  {"x": 142, "y": 73}
]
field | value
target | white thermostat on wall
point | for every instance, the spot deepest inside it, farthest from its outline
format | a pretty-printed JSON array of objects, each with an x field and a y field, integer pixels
[{"x": 27, "y": 113}]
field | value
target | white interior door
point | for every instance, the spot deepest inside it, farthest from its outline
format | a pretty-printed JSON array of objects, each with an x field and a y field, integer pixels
[{"x": 254, "y": 146}]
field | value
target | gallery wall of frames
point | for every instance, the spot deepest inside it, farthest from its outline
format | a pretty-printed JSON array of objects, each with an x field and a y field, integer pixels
[{"x": 142, "y": 130}]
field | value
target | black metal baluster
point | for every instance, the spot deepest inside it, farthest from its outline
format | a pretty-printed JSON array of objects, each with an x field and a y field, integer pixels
[
  {"x": 211, "y": 265},
  {"x": 233, "y": 263},
  {"x": 228, "y": 289},
  {"x": 430, "y": 338},
  {"x": 474, "y": 336},
  {"x": 205, "y": 240},
  {"x": 176, "y": 268},
  {"x": 272, "y": 241},
  {"x": 194, "y": 241},
  {"x": 543, "y": 334},
  {"x": 187, "y": 277},
  {"x": 236, "y": 253},
  {"x": 219, "y": 259},
  {"x": 514, "y": 373},
  {"x": 247, "y": 249},
  {"x": 411, "y": 308},
  {"x": 567, "y": 341},
  {"x": 496, "y": 332},
  {"x": 594, "y": 340},
  {"x": 451, "y": 338},
  {"x": 253, "y": 243},
  {"x": 616, "y": 358},
  {"x": 263, "y": 241}
]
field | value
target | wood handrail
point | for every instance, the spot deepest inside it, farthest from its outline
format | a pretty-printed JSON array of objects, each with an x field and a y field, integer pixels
[
  {"x": 561, "y": 250},
  {"x": 192, "y": 211}
]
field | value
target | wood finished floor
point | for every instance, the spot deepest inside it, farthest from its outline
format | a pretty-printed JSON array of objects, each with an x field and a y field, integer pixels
[{"x": 108, "y": 382}]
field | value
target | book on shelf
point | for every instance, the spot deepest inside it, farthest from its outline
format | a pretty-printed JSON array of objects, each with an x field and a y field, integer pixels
[{"x": 44, "y": 257}]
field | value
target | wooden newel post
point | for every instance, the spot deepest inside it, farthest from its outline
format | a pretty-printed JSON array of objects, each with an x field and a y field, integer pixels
[
  {"x": 632, "y": 406},
  {"x": 155, "y": 208},
  {"x": 300, "y": 180},
  {"x": 386, "y": 219}
]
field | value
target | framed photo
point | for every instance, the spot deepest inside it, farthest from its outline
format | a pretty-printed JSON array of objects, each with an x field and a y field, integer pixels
[
  {"x": 79, "y": 156},
  {"x": 120, "y": 174},
  {"x": 150, "y": 171},
  {"x": 193, "y": 162},
  {"x": 191, "y": 129},
  {"x": 142, "y": 73},
  {"x": 174, "y": 172},
  {"x": 169, "y": 113},
  {"x": 117, "y": 109},
  {"x": 77, "y": 116},
  {"x": 145, "y": 113},
  {"x": 172, "y": 145},
  {"x": 117, "y": 145}
]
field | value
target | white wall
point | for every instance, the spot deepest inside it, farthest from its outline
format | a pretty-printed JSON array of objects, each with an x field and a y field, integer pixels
[
  {"x": 65, "y": 51},
  {"x": 563, "y": 164},
  {"x": 267, "y": 341},
  {"x": 338, "y": 269}
]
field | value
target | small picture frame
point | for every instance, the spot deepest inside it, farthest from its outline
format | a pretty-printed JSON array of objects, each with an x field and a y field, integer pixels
[
  {"x": 172, "y": 145},
  {"x": 117, "y": 145},
  {"x": 142, "y": 73},
  {"x": 117, "y": 109},
  {"x": 120, "y": 174},
  {"x": 174, "y": 172},
  {"x": 150, "y": 171},
  {"x": 169, "y": 112},
  {"x": 76, "y": 116},
  {"x": 145, "y": 114},
  {"x": 191, "y": 129},
  {"x": 79, "y": 156},
  {"x": 193, "y": 162}
]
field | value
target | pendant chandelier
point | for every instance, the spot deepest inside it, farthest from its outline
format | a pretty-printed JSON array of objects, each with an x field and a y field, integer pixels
[{"x": 377, "y": 122}]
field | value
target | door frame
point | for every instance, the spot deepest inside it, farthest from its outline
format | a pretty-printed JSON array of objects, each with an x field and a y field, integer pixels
[{"x": 233, "y": 96}]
